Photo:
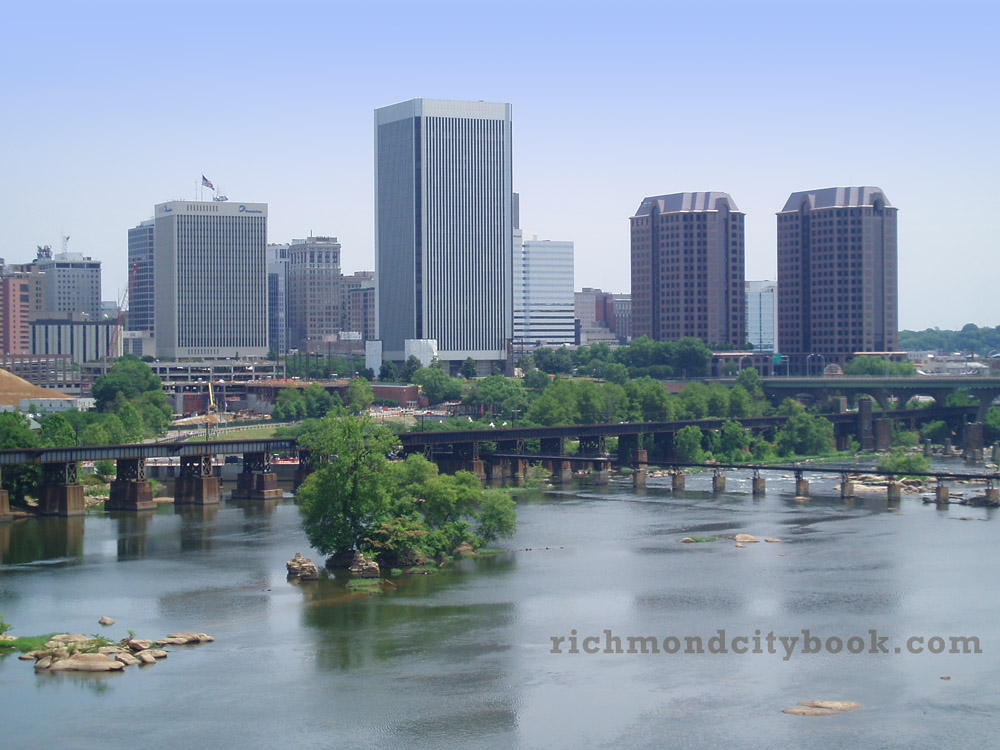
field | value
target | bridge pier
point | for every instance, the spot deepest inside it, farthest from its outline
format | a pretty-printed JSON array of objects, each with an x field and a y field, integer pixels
[
  {"x": 866, "y": 435},
  {"x": 883, "y": 434},
  {"x": 5, "y": 514},
  {"x": 947, "y": 447},
  {"x": 130, "y": 489},
  {"x": 628, "y": 450},
  {"x": 942, "y": 494},
  {"x": 60, "y": 493},
  {"x": 996, "y": 453},
  {"x": 758, "y": 484},
  {"x": 196, "y": 484},
  {"x": 640, "y": 473},
  {"x": 928, "y": 449},
  {"x": 718, "y": 481},
  {"x": 972, "y": 442},
  {"x": 801, "y": 485},
  {"x": 846, "y": 487},
  {"x": 894, "y": 491},
  {"x": 602, "y": 472},
  {"x": 302, "y": 471},
  {"x": 256, "y": 481},
  {"x": 677, "y": 479}
]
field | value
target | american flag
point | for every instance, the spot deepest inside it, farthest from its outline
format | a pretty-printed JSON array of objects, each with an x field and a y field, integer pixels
[{"x": 207, "y": 182}]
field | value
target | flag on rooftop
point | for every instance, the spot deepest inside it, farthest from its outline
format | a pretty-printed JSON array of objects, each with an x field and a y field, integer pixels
[{"x": 207, "y": 183}]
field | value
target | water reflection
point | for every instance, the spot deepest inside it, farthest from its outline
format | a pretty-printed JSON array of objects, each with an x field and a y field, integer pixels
[
  {"x": 197, "y": 526},
  {"x": 39, "y": 539},
  {"x": 132, "y": 532}
]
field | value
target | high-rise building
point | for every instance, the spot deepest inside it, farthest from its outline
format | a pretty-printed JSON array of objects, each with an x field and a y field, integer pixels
[
  {"x": 210, "y": 279},
  {"x": 836, "y": 276},
  {"x": 361, "y": 311},
  {"x": 687, "y": 269},
  {"x": 443, "y": 228},
  {"x": 141, "y": 302},
  {"x": 314, "y": 305},
  {"x": 762, "y": 315},
  {"x": 543, "y": 292},
  {"x": 72, "y": 284},
  {"x": 623, "y": 316},
  {"x": 594, "y": 311},
  {"x": 357, "y": 280},
  {"x": 14, "y": 311},
  {"x": 277, "y": 297}
]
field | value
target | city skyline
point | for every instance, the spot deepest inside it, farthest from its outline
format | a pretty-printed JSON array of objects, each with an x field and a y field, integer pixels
[{"x": 897, "y": 102}]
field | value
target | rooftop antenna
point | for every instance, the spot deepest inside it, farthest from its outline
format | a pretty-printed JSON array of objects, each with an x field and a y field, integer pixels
[{"x": 65, "y": 243}]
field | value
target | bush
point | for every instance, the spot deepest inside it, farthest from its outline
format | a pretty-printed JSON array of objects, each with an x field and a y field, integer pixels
[
  {"x": 935, "y": 431},
  {"x": 898, "y": 461}
]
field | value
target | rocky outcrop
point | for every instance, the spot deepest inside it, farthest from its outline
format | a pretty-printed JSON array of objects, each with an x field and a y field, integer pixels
[
  {"x": 182, "y": 639},
  {"x": 362, "y": 566},
  {"x": 745, "y": 538},
  {"x": 820, "y": 708},
  {"x": 80, "y": 653},
  {"x": 302, "y": 568},
  {"x": 105, "y": 621}
]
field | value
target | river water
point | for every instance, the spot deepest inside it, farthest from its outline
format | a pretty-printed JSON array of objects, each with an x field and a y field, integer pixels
[{"x": 465, "y": 658}]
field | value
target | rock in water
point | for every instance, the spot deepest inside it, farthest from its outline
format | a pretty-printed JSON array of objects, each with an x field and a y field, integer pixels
[
  {"x": 303, "y": 568},
  {"x": 362, "y": 566},
  {"x": 805, "y": 711},
  {"x": 687, "y": 540},
  {"x": 746, "y": 538},
  {"x": 773, "y": 540},
  {"x": 83, "y": 663},
  {"x": 105, "y": 621}
]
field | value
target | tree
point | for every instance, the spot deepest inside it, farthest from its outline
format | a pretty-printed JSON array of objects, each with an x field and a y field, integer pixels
[
  {"x": 128, "y": 377},
  {"x": 15, "y": 432},
  {"x": 388, "y": 372},
  {"x": 348, "y": 494},
  {"x": 805, "y": 435},
  {"x": 535, "y": 379},
  {"x": 497, "y": 515},
  {"x": 56, "y": 432},
  {"x": 469, "y": 368},
  {"x": 132, "y": 426},
  {"x": 318, "y": 401},
  {"x": 499, "y": 395},
  {"x": 687, "y": 445},
  {"x": 749, "y": 380},
  {"x": 870, "y": 366},
  {"x": 692, "y": 357},
  {"x": 94, "y": 434},
  {"x": 290, "y": 405},
  {"x": 436, "y": 384},
  {"x": 410, "y": 368},
  {"x": 733, "y": 441},
  {"x": 359, "y": 395}
]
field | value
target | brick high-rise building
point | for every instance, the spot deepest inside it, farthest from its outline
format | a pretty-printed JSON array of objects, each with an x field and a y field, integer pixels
[
  {"x": 687, "y": 269},
  {"x": 836, "y": 276},
  {"x": 314, "y": 298},
  {"x": 14, "y": 309}
]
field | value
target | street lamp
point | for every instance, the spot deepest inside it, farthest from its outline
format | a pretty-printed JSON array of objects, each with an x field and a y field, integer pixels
[{"x": 809, "y": 365}]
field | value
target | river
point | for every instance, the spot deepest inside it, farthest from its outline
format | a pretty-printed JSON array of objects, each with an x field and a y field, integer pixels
[{"x": 464, "y": 658}]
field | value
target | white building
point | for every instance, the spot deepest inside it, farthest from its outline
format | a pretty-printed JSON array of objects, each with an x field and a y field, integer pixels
[
  {"x": 543, "y": 292},
  {"x": 75, "y": 334},
  {"x": 72, "y": 284},
  {"x": 210, "y": 275},
  {"x": 443, "y": 227},
  {"x": 762, "y": 315}
]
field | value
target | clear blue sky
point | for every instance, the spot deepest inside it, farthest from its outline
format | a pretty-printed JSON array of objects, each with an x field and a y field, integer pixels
[{"x": 109, "y": 108}]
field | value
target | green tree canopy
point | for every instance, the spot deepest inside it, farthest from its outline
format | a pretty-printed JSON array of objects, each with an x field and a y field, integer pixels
[
  {"x": 469, "y": 368},
  {"x": 687, "y": 445},
  {"x": 128, "y": 377},
  {"x": 436, "y": 384},
  {"x": 56, "y": 432},
  {"x": 360, "y": 395},
  {"x": 388, "y": 372},
  {"x": 805, "y": 435},
  {"x": 15, "y": 432}
]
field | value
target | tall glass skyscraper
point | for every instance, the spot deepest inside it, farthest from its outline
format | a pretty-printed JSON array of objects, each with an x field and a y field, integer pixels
[
  {"x": 141, "y": 302},
  {"x": 543, "y": 292},
  {"x": 443, "y": 227},
  {"x": 762, "y": 315}
]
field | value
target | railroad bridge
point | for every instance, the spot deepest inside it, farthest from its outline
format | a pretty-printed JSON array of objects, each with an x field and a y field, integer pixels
[{"x": 496, "y": 454}]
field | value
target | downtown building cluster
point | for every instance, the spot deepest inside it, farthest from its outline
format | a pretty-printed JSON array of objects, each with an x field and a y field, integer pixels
[{"x": 456, "y": 277}]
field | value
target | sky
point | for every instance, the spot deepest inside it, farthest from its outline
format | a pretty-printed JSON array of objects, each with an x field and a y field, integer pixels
[{"x": 111, "y": 107}]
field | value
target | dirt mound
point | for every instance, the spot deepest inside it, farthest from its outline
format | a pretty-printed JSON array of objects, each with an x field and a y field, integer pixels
[{"x": 13, "y": 389}]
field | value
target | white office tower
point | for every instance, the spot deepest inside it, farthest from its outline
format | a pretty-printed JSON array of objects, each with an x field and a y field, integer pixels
[
  {"x": 543, "y": 293},
  {"x": 210, "y": 271},
  {"x": 443, "y": 229}
]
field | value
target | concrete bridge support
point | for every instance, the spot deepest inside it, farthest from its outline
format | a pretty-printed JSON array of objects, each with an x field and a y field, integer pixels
[
  {"x": 846, "y": 486},
  {"x": 196, "y": 484},
  {"x": 718, "y": 481},
  {"x": 894, "y": 491},
  {"x": 947, "y": 451},
  {"x": 5, "y": 514},
  {"x": 640, "y": 472},
  {"x": 866, "y": 432},
  {"x": 628, "y": 450},
  {"x": 928, "y": 449},
  {"x": 60, "y": 493},
  {"x": 602, "y": 472},
  {"x": 257, "y": 481},
  {"x": 801, "y": 485},
  {"x": 996, "y": 453},
  {"x": 677, "y": 479},
  {"x": 883, "y": 434},
  {"x": 972, "y": 442},
  {"x": 758, "y": 484},
  {"x": 130, "y": 489},
  {"x": 942, "y": 494},
  {"x": 561, "y": 471}
]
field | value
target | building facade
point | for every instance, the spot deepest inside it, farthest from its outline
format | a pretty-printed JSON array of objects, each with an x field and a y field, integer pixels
[
  {"x": 361, "y": 311},
  {"x": 443, "y": 228},
  {"x": 77, "y": 336},
  {"x": 543, "y": 292},
  {"x": 277, "y": 297},
  {"x": 837, "y": 288},
  {"x": 623, "y": 317},
  {"x": 314, "y": 306},
  {"x": 210, "y": 279},
  {"x": 687, "y": 269},
  {"x": 348, "y": 283},
  {"x": 15, "y": 305},
  {"x": 142, "y": 299},
  {"x": 72, "y": 284},
  {"x": 762, "y": 315}
]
